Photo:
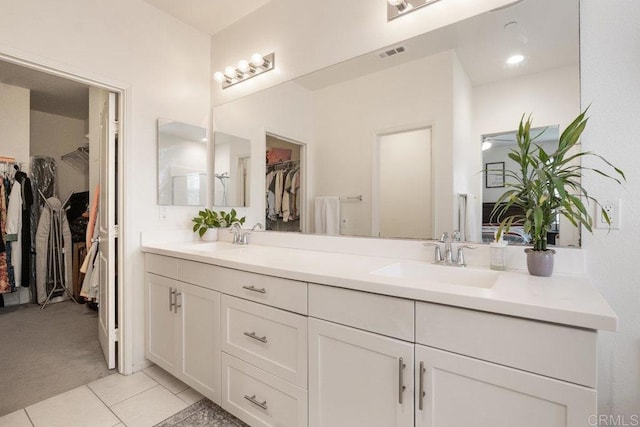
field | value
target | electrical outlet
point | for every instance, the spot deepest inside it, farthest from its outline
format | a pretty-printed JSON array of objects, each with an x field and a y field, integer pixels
[
  {"x": 163, "y": 212},
  {"x": 612, "y": 208}
]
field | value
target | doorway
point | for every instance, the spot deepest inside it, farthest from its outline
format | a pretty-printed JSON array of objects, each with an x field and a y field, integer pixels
[
  {"x": 57, "y": 136},
  {"x": 284, "y": 184},
  {"x": 402, "y": 185}
]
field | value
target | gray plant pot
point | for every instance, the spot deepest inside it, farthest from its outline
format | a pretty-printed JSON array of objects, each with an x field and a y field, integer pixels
[{"x": 540, "y": 263}]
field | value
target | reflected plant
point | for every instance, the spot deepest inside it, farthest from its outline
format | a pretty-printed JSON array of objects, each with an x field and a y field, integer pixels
[
  {"x": 549, "y": 183},
  {"x": 207, "y": 219}
]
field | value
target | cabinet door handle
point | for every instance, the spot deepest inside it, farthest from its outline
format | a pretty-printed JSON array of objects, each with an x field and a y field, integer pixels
[
  {"x": 255, "y": 337},
  {"x": 421, "y": 392},
  {"x": 254, "y": 289},
  {"x": 176, "y": 306},
  {"x": 401, "y": 386},
  {"x": 171, "y": 294},
  {"x": 253, "y": 400}
]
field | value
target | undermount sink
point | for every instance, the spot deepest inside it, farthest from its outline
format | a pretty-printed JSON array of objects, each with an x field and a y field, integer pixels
[{"x": 423, "y": 271}]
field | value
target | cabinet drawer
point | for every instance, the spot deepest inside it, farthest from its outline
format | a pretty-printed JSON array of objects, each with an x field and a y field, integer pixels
[
  {"x": 282, "y": 293},
  {"x": 162, "y": 265},
  {"x": 260, "y": 399},
  {"x": 385, "y": 315},
  {"x": 548, "y": 349},
  {"x": 272, "y": 339}
]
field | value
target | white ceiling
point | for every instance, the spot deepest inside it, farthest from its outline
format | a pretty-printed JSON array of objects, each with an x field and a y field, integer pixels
[
  {"x": 49, "y": 93},
  {"x": 546, "y": 32},
  {"x": 209, "y": 16}
]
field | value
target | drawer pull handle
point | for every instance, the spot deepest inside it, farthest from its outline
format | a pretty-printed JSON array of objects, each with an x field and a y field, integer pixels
[
  {"x": 255, "y": 337},
  {"x": 253, "y": 400},
  {"x": 401, "y": 386},
  {"x": 254, "y": 289},
  {"x": 172, "y": 293},
  {"x": 421, "y": 392}
]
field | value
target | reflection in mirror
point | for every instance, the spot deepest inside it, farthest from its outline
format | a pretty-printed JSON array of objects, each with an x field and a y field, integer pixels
[
  {"x": 403, "y": 175},
  {"x": 182, "y": 164},
  {"x": 459, "y": 81},
  {"x": 232, "y": 170},
  {"x": 495, "y": 157}
]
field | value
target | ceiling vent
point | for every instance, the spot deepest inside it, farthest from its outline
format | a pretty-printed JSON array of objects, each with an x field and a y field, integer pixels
[{"x": 393, "y": 51}]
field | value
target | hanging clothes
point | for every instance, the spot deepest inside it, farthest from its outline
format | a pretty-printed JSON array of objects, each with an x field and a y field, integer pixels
[
  {"x": 25, "y": 242},
  {"x": 14, "y": 230},
  {"x": 5, "y": 284}
]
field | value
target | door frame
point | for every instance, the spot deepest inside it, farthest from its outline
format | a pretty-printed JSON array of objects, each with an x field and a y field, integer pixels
[
  {"x": 375, "y": 169},
  {"x": 124, "y": 270}
]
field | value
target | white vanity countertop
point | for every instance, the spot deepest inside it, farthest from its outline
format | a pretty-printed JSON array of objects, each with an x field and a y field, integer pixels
[{"x": 569, "y": 300}]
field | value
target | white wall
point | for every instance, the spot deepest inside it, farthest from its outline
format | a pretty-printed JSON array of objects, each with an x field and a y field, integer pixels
[
  {"x": 309, "y": 35},
  {"x": 610, "y": 69},
  {"x": 344, "y": 141},
  {"x": 163, "y": 63},
  {"x": 14, "y": 123},
  {"x": 53, "y": 135},
  {"x": 284, "y": 110}
]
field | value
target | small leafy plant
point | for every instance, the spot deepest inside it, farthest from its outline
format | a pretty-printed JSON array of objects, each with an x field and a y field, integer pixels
[
  {"x": 549, "y": 183},
  {"x": 207, "y": 219}
]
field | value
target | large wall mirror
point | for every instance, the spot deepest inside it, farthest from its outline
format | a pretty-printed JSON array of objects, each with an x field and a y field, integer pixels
[
  {"x": 182, "y": 164},
  {"x": 457, "y": 85}
]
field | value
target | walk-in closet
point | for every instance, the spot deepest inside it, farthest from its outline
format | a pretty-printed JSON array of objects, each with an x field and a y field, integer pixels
[
  {"x": 284, "y": 176},
  {"x": 49, "y": 193}
]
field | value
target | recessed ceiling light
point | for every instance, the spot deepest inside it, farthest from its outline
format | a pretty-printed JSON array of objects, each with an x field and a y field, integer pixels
[{"x": 515, "y": 59}]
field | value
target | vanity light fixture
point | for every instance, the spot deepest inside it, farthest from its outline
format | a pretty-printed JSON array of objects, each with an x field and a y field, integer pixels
[
  {"x": 245, "y": 70},
  {"x": 396, "y": 8}
]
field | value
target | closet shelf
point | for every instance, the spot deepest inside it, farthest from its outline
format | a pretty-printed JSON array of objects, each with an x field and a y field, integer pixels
[{"x": 78, "y": 159}]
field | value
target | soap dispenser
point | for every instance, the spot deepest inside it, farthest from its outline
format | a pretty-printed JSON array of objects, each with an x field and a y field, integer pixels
[{"x": 497, "y": 253}]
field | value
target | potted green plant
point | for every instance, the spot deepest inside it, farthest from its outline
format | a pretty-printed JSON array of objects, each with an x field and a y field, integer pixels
[
  {"x": 545, "y": 185},
  {"x": 207, "y": 222}
]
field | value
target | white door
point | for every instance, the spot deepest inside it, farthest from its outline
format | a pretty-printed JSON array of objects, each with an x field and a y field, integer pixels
[
  {"x": 107, "y": 232},
  {"x": 357, "y": 378},
  {"x": 198, "y": 312},
  {"x": 404, "y": 185},
  {"x": 461, "y": 391}
]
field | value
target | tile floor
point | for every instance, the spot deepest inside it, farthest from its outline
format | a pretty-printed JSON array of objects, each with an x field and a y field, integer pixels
[{"x": 139, "y": 400}]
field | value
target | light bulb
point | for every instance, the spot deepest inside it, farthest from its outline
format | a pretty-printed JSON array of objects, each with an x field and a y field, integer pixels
[
  {"x": 230, "y": 72},
  {"x": 515, "y": 59},
  {"x": 401, "y": 5},
  {"x": 257, "y": 60},
  {"x": 218, "y": 76},
  {"x": 243, "y": 66},
  {"x": 486, "y": 145}
]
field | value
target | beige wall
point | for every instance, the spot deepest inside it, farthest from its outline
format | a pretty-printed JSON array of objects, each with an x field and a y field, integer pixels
[
  {"x": 53, "y": 136},
  {"x": 14, "y": 123},
  {"x": 610, "y": 66}
]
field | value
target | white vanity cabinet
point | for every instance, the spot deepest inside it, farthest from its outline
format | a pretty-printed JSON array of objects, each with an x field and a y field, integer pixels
[
  {"x": 183, "y": 324},
  {"x": 461, "y": 367}
]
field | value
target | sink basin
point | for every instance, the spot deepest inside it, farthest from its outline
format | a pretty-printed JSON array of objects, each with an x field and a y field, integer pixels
[{"x": 421, "y": 271}]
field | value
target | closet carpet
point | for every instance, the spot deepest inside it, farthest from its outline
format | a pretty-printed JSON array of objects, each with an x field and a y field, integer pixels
[{"x": 47, "y": 352}]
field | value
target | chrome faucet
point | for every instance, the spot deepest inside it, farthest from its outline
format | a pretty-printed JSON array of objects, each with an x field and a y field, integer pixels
[
  {"x": 241, "y": 237},
  {"x": 236, "y": 229},
  {"x": 449, "y": 259}
]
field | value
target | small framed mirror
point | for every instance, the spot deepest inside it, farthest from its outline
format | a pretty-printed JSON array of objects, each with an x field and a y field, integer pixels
[{"x": 182, "y": 164}]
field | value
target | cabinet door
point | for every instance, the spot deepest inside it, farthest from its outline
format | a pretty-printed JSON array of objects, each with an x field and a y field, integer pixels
[
  {"x": 162, "y": 325},
  {"x": 358, "y": 378},
  {"x": 461, "y": 391},
  {"x": 199, "y": 325}
]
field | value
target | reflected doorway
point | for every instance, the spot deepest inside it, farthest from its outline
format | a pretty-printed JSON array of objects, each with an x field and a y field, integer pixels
[{"x": 404, "y": 205}]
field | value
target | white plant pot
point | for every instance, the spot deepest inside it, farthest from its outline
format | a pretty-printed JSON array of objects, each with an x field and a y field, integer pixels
[{"x": 211, "y": 235}]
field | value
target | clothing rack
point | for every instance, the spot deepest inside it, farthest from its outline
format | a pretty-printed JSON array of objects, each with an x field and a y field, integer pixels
[
  {"x": 283, "y": 165},
  {"x": 7, "y": 164}
]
